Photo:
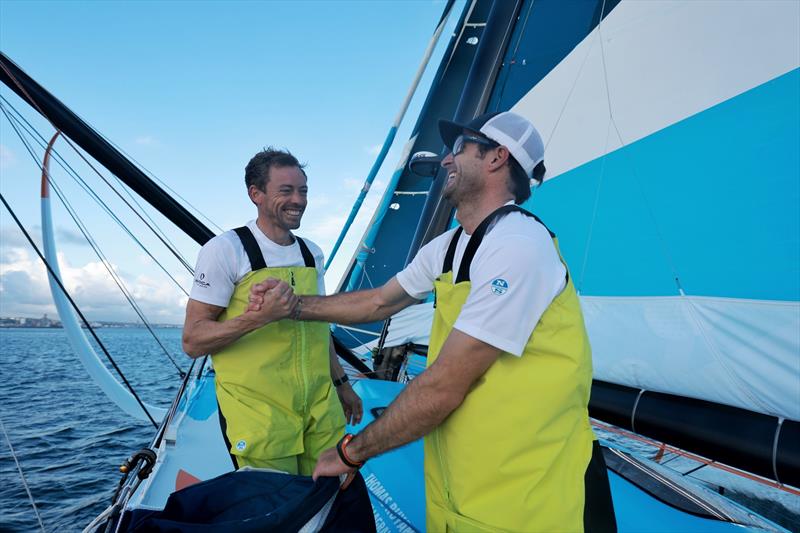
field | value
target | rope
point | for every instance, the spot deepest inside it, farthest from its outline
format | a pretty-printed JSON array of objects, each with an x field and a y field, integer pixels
[
  {"x": 594, "y": 214},
  {"x": 613, "y": 122},
  {"x": 90, "y": 165},
  {"x": 77, "y": 309},
  {"x": 94, "y": 524},
  {"x": 513, "y": 60},
  {"x": 22, "y": 476},
  {"x": 161, "y": 182},
  {"x": 117, "y": 279},
  {"x": 30, "y": 130},
  {"x": 93, "y": 244}
]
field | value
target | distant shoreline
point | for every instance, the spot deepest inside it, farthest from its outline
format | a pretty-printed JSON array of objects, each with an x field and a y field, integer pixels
[
  {"x": 46, "y": 323},
  {"x": 95, "y": 326}
]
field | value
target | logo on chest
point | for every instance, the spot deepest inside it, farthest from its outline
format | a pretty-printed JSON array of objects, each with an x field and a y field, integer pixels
[{"x": 499, "y": 286}]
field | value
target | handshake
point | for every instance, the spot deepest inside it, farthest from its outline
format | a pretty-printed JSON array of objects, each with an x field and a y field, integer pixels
[{"x": 272, "y": 300}]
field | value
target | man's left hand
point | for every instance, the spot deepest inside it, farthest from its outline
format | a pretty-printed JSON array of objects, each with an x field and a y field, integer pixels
[
  {"x": 351, "y": 404},
  {"x": 330, "y": 465}
]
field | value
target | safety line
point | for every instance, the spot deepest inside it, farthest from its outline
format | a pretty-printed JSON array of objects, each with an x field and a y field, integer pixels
[
  {"x": 93, "y": 244},
  {"x": 89, "y": 164},
  {"x": 77, "y": 309},
  {"x": 22, "y": 476},
  {"x": 31, "y": 130}
]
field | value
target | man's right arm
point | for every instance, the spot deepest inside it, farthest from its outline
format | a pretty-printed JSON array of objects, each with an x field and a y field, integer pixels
[
  {"x": 202, "y": 334},
  {"x": 348, "y": 307},
  {"x": 357, "y": 307}
]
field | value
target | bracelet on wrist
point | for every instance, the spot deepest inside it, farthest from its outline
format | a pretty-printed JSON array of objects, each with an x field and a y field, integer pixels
[
  {"x": 341, "y": 448},
  {"x": 341, "y": 381},
  {"x": 298, "y": 309}
]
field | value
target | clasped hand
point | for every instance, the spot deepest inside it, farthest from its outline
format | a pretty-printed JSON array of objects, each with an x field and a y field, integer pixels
[{"x": 272, "y": 300}]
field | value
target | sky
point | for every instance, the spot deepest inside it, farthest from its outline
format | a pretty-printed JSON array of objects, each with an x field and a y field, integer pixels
[{"x": 191, "y": 90}]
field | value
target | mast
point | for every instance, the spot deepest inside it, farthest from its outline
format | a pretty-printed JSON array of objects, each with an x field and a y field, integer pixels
[
  {"x": 438, "y": 211},
  {"x": 62, "y": 118}
]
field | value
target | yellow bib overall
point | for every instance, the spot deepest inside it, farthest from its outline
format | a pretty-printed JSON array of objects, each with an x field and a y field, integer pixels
[
  {"x": 273, "y": 385},
  {"x": 512, "y": 457}
]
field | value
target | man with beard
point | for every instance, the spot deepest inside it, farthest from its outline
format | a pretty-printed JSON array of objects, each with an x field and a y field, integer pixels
[
  {"x": 274, "y": 376},
  {"x": 503, "y": 404}
]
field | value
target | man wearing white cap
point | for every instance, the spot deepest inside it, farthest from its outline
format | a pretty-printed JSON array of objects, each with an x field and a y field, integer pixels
[{"x": 503, "y": 404}]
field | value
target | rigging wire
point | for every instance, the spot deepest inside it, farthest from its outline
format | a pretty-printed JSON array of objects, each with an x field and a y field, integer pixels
[
  {"x": 135, "y": 201},
  {"x": 116, "y": 277},
  {"x": 595, "y": 206},
  {"x": 77, "y": 309},
  {"x": 95, "y": 247},
  {"x": 712, "y": 347},
  {"x": 513, "y": 57},
  {"x": 31, "y": 130},
  {"x": 22, "y": 476},
  {"x": 661, "y": 241},
  {"x": 161, "y": 182},
  {"x": 90, "y": 165}
]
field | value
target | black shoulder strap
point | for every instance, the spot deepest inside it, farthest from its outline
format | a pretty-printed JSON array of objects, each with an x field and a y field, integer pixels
[
  {"x": 251, "y": 248},
  {"x": 477, "y": 237},
  {"x": 451, "y": 251},
  {"x": 308, "y": 257}
]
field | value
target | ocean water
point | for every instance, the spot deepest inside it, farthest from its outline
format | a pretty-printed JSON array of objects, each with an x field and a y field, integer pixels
[{"x": 68, "y": 437}]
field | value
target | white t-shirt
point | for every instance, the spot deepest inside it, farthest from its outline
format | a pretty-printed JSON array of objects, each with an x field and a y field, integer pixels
[
  {"x": 222, "y": 263},
  {"x": 514, "y": 276}
]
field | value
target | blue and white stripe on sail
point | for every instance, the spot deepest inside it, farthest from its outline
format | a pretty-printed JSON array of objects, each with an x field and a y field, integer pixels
[
  {"x": 112, "y": 388},
  {"x": 673, "y": 152}
]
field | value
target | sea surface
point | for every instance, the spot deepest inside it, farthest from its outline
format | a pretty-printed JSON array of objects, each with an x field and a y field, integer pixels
[{"x": 70, "y": 439}]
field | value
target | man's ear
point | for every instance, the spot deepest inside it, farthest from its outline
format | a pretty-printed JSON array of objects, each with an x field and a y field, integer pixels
[
  {"x": 501, "y": 155},
  {"x": 254, "y": 192}
]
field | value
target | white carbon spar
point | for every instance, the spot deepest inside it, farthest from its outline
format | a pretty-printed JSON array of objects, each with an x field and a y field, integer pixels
[{"x": 110, "y": 386}]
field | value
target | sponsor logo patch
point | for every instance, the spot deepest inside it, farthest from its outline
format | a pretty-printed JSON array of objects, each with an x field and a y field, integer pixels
[
  {"x": 241, "y": 445},
  {"x": 499, "y": 286},
  {"x": 199, "y": 281}
]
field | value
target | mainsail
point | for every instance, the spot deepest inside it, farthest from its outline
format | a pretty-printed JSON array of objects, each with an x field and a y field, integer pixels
[
  {"x": 672, "y": 134},
  {"x": 676, "y": 150}
]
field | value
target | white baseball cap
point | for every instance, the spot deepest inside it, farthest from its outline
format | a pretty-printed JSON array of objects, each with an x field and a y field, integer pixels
[{"x": 513, "y": 131}]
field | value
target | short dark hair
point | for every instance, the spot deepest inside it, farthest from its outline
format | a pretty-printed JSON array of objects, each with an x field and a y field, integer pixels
[
  {"x": 257, "y": 170},
  {"x": 520, "y": 182}
]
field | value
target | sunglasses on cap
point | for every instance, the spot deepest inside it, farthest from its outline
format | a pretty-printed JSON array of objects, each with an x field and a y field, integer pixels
[{"x": 458, "y": 144}]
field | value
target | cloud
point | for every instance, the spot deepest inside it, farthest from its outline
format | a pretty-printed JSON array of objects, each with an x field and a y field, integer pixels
[
  {"x": 373, "y": 150},
  {"x": 66, "y": 236},
  {"x": 24, "y": 290},
  {"x": 319, "y": 200},
  {"x": 356, "y": 184},
  {"x": 353, "y": 184},
  {"x": 146, "y": 140},
  {"x": 12, "y": 239},
  {"x": 12, "y": 236},
  {"x": 7, "y": 157}
]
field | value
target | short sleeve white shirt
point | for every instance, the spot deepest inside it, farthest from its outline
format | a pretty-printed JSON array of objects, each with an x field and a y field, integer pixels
[
  {"x": 223, "y": 262},
  {"x": 515, "y": 275}
]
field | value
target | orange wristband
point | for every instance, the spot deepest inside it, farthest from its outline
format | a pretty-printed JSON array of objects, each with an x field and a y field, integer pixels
[{"x": 341, "y": 448}]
